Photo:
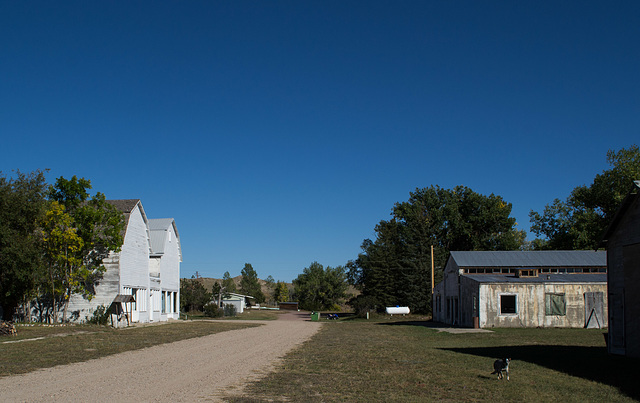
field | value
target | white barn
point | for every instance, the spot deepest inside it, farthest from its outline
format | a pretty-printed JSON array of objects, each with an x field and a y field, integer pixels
[
  {"x": 165, "y": 257},
  {"x": 147, "y": 267}
]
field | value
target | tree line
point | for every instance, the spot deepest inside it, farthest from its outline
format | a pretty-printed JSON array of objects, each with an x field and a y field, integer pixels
[
  {"x": 194, "y": 296},
  {"x": 394, "y": 268},
  {"x": 53, "y": 241}
]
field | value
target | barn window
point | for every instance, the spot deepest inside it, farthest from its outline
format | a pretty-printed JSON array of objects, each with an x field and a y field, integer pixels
[
  {"x": 508, "y": 304},
  {"x": 555, "y": 304}
]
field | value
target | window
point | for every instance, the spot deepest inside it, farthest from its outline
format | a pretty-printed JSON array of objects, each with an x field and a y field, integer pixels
[
  {"x": 554, "y": 304},
  {"x": 508, "y": 304},
  {"x": 134, "y": 293},
  {"x": 475, "y": 305}
]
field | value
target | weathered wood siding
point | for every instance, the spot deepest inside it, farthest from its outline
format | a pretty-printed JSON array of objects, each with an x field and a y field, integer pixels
[
  {"x": 623, "y": 260},
  {"x": 81, "y": 309},
  {"x": 530, "y": 300}
]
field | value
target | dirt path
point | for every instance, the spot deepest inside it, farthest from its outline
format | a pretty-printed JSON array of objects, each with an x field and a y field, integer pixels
[{"x": 199, "y": 369}]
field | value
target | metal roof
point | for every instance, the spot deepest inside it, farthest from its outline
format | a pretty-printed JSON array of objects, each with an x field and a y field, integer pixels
[
  {"x": 158, "y": 233},
  {"x": 542, "y": 278},
  {"x": 160, "y": 223},
  {"x": 158, "y": 229},
  {"x": 551, "y": 258}
]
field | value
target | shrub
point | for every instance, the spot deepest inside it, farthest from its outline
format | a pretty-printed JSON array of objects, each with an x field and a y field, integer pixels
[
  {"x": 213, "y": 311},
  {"x": 229, "y": 310},
  {"x": 363, "y": 304},
  {"x": 100, "y": 316}
]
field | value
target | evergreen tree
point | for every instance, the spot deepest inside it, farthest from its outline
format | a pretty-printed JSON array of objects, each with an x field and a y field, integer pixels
[
  {"x": 193, "y": 295},
  {"x": 249, "y": 284},
  {"x": 228, "y": 285}
]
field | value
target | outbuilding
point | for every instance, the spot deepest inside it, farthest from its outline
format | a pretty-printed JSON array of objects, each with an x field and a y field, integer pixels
[
  {"x": 622, "y": 240},
  {"x": 523, "y": 289},
  {"x": 239, "y": 301}
]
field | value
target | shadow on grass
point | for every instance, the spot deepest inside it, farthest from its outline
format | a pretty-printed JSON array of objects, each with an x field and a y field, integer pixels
[
  {"x": 413, "y": 322},
  {"x": 592, "y": 363}
]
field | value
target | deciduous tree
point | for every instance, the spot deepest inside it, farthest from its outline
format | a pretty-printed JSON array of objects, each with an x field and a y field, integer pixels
[
  {"x": 318, "y": 288},
  {"x": 281, "y": 292},
  {"x": 394, "y": 269},
  {"x": 100, "y": 226},
  {"x": 579, "y": 221},
  {"x": 63, "y": 262},
  {"x": 22, "y": 204}
]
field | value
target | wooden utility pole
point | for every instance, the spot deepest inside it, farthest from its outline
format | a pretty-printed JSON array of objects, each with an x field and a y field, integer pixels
[{"x": 432, "y": 268}]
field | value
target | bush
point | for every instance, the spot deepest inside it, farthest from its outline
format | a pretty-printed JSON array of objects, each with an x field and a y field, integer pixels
[
  {"x": 363, "y": 304},
  {"x": 100, "y": 316},
  {"x": 229, "y": 310},
  {"x": 213, "y": 311}
]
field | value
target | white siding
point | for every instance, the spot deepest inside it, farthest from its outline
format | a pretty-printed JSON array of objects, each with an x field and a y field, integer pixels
[{"x": 134, "y": 258}]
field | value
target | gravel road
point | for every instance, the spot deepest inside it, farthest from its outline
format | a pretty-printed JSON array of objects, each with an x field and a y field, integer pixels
[{"x": 205, "y": 368}]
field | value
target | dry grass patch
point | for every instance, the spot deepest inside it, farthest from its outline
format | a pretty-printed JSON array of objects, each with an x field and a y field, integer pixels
[
  {"x": 249, "y": 314},
  {"x": 389, "y": 360}
]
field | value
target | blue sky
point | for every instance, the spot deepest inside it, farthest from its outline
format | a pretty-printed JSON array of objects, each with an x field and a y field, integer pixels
[{"x": 280, "y": 133}]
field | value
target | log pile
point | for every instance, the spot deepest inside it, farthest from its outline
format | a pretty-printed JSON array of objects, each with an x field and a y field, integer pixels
[{"x": 7, "y": 328}]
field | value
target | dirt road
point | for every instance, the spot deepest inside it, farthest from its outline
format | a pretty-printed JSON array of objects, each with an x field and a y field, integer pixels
[{"x": 199, "y": 369}]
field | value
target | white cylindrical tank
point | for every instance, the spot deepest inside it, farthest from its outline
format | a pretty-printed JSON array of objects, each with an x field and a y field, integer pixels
[{"x": 397, "y": 310}]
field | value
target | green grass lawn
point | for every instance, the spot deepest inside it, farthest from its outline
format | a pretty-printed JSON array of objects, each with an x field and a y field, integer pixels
[
  {"x": 68, "y": 344},
  {"x": 391, "y": 360}
]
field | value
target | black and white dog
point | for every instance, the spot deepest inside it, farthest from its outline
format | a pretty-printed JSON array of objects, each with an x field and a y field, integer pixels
[{"x": 501, "y": 366}]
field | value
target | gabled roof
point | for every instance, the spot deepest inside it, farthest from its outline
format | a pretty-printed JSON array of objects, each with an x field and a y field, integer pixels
[
  {"x": 126, "y": 207},
  {"x": 237, "y": 295},
  {"x": 632, "y": 196},
  {"x": 158, "y": 230},
  {"x": 551, "y": 258}
]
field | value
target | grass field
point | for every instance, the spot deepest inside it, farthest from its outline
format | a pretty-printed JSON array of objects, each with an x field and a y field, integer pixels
[
  {"x": 390, "y": 360},
  {"x": 378, "y": 360},
  {"x": 42, "y": 346},
  {"x": 248, "y": 314}
]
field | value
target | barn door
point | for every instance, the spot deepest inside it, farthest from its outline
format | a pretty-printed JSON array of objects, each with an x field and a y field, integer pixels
[{"x": 594, "y": 310}]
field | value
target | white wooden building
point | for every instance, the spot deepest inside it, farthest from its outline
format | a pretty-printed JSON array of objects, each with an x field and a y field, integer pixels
[
  {"x": 147, "y": 267},
  {"x": 166, "y": 256},
  {"x": 239, "y": 301}
]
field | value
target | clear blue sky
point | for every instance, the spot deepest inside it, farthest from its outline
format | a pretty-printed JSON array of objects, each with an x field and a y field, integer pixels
[{"x": 280, "y": 133}]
